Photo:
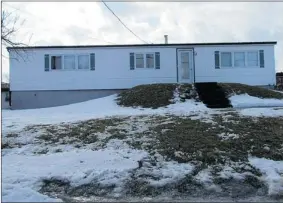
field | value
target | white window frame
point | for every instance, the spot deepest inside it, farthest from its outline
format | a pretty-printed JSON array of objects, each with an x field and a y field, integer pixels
[
  {"x": 153, "y": 60},
  {"x": 245, "y": 61},
  {"x": 258, "y": 60},
  {"x": 144, "y": 61},
  {"x": 63, "y": 56},
  {"x": 63, "y": 64},
  {"x": 136, "y": 61},
  {"x": 232, "y": 59},
  {"x": 77, "y": 65},
  {"x": 233, "y": 62}
]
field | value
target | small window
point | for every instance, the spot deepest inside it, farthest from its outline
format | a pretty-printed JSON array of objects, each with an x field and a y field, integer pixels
[
  {"x": 56, "y": 62},
  {"x": 226, "y": 59},
  {"x": 252, "y": 58},
  {"x": 139, "y": 61},
  {"x": 239, "y": 59},
  {"x": 150, "y": 60},
  {"x": 69, "y": 62},
  {"x": 83, "y": 62}
]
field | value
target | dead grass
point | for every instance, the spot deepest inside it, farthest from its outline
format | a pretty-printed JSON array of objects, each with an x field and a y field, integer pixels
[
  {"x": 81, "y": 132},
  {"x": 151, "y": 96},
  {"x": 236, "y": 88}
]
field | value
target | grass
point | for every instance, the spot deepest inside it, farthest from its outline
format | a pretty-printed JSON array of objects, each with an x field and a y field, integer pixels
[
  {"x": 236, "y": 88},
  {"x": 150, "y": 96},
  {"x": 84, "y": 132},
  {"x": 184, "y": 140},
  {"x": 160, "y": 95}
]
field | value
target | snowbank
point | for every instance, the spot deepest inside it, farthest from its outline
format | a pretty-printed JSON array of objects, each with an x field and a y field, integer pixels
[{"x": 246, "y": 101}]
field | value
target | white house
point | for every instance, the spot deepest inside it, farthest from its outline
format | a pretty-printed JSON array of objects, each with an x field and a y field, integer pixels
[{"x": 45, "y": 76}]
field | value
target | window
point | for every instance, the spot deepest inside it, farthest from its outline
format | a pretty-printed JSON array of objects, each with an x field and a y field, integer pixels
[
  {"x": 150, "y": 60},
  {"x": 83, "y": 62},
  {"x": 69, "y": 62},
  {"x": 226, "y": 59},
  {"x": 139, "y": 61},
  {"x": 252, "y": 58},
  {"x": 56, "y": 62},
  {"x": 239, "y": 59}
]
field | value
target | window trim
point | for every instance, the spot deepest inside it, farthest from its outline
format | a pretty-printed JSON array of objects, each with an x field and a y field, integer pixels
[
  {"x": 258, "y": 60},
  {"x": 63, "y": 63},
  {"x": 77, "y": 67},
  {"x": 232, "y": 59},
  {"x": 144, "y": 60},
  {"x": 233, "y": 62}
]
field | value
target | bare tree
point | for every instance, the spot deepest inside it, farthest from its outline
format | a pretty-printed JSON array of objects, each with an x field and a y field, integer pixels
[{"x": 10, "y": 24}]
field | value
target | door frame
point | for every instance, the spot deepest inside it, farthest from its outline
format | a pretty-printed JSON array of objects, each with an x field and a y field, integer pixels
[{"x": 193, "y": 62}]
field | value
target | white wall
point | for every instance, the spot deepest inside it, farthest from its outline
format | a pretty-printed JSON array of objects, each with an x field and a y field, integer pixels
[
  {"x": 112, "y": 69},
  {"x": 205, "y": 66}
]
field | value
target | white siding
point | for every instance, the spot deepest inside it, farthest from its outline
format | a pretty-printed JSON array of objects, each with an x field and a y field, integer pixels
[
  {"x": 112, "y": 69},
  {"x": 205, "y": 66}
]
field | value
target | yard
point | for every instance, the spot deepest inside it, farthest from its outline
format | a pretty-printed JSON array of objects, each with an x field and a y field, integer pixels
[{"x": 99, "y": 150}]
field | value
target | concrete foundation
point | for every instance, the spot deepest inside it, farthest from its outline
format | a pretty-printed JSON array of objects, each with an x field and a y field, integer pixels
[{"x": 43, "y": 99}]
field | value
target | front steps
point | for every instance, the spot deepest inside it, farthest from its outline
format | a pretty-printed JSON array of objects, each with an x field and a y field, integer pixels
[{"x": 212, "y": 95}]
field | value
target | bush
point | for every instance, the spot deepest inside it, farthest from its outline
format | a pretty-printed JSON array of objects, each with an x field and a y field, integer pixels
[{"x": 236, "y": 88}]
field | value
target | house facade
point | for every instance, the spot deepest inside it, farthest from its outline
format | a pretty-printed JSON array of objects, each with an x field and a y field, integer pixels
[{"x": 57, "y": 75}]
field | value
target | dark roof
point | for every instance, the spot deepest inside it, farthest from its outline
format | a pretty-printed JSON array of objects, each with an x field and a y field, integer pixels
[
  {"x": 5, "y": 86},
  {"x": 145, "y": 45}
]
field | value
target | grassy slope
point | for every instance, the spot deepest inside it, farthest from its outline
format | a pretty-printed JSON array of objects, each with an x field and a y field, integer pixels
[
  {"x": 160, "y": 95},
  {"x": 236, "y": 88}
]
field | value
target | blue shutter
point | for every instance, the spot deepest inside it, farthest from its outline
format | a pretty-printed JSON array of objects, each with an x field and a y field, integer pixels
[
  {"x": 261, "y": 58},
  {"x": 217, "y": 60},
  {"x": 92, "y": 61},
  {"x": 132, "y": 61},
  {"x": 46, "y": 62},
  {"x": 157, "y": 60}
]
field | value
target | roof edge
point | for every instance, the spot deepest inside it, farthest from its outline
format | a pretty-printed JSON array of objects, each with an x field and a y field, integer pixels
[{"x": 143, "y": 45}]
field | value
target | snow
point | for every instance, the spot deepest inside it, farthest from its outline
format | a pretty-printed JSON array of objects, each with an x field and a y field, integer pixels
[
  {"x": 245, "y": 101},
  {"x": 272, "y": 171},
  {"x": 258, "y": 112},
  {"x": 21, "y": 173},
  {"x": 97, "y": 108}
]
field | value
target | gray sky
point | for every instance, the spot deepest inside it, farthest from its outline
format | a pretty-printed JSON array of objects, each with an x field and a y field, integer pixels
[{"x": 74, "y": 23}]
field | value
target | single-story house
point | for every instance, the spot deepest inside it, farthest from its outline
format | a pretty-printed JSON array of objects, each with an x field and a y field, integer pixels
[
  {"x": 5, "y": 95},
  {"x": 45, "y": 76}
]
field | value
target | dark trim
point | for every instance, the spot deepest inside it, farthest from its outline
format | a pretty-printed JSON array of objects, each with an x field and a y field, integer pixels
[
  {"x": 145, "y": 45},
  {"x": 4, "y": 89},
  {"x": 194, "y": 66},
  {"x": 177, "y": 57}
]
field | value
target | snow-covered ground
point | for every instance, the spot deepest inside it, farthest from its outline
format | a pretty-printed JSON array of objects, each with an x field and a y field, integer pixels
[
  {"x": 23, "y": 173},
  {"x": 246, "y": 101}
]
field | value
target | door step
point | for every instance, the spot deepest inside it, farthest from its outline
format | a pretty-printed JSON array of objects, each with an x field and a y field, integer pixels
[{"x": 212, "y": 95}]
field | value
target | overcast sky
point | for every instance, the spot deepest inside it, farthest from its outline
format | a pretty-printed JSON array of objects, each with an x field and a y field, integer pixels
[{"x": 71, "y": 23}]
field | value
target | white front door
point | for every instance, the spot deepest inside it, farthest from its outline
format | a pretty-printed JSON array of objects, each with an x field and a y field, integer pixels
[{"x": 185, "y": 66}]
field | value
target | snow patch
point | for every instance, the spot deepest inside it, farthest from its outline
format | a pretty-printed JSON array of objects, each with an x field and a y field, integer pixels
[
  {"x": 245, "y": 101},
  {"x": 273, "y": 174},
  {"x": 227, "y": 136},
  {"x": 21, "y": 173},
  {"x": 259, "y": 112}
]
